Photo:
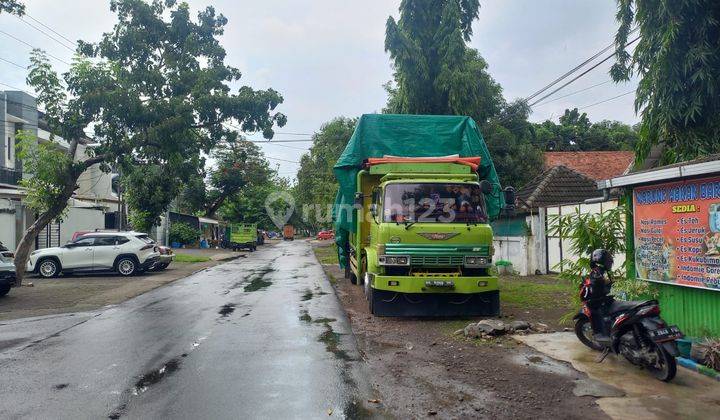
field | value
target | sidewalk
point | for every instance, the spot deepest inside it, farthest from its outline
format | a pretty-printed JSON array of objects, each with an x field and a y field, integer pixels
[{"x": 689, "y": 395}]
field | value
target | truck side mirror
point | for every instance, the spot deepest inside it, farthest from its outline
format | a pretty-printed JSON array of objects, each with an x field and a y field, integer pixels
[
  {"x": 373, "y": 209},
  {"x": 509, "y": 193},
  {"x": 358, "y": 199},
  {"x": 485, "y": 186}
]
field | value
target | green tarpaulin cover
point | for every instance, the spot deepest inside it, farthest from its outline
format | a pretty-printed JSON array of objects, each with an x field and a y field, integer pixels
[{"x": 377, "y": 135}]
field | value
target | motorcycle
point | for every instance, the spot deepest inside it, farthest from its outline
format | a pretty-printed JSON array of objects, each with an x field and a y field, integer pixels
[{"x": 637, "y": 333}]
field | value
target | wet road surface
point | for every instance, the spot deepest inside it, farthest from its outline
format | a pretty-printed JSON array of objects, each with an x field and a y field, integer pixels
[{"x": 258, "y": 337}]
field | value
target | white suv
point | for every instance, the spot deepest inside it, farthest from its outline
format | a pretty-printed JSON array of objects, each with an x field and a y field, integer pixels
[{"x": 124, "y": 252}]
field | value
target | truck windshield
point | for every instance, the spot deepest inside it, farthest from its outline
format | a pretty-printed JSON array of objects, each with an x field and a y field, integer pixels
[{"x": 434, "y": 202}]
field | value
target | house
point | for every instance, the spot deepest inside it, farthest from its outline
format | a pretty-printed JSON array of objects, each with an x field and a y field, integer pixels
[
  {"x": 94, "y": 203},
  {"x": 595, "y": 165},
  {"x": 567, "y": 185}
]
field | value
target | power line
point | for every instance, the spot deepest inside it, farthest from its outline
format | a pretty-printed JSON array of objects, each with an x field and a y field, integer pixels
[
  {"x": 32, "y": 47},
  {"x": 573, "y": 93},
  {"x": 607, "y": 100},
  {"x": 582, "y": 74},
  {"x": 52, "y": 30},
  {"x": 13, "y": 63},
  {"x": 573, "y": 70},
  {"x": 46, "y": 34}
]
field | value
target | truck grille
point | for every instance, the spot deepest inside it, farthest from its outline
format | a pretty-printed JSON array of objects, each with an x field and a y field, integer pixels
[{"x": 436, "y": 260}]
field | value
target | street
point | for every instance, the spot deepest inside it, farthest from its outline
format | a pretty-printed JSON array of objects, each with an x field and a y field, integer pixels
[{"x": 259, "y": 337}]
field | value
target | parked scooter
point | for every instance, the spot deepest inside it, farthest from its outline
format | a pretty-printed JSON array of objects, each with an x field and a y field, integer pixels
[{"x": 632, "y": 329}]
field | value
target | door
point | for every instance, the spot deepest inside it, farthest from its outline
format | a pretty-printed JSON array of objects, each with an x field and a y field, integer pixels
[
  {"x": 105, "y": 250},
  {"x": 78, "y": 255}
]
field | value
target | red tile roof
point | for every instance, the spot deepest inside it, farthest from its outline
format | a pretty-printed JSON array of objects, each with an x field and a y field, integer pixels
[{"x": 596, "y": 165}]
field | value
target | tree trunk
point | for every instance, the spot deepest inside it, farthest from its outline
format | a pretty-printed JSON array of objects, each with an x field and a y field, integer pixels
[{"x": 22, "y": 251}]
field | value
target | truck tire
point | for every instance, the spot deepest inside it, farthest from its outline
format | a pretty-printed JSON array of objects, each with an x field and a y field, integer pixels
[{"x": 371, "y": 301}]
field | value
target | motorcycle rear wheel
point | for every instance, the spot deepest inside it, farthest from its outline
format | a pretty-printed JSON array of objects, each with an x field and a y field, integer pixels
[
  {"x": 666, "y": 368},
  {"x": 584, "y": 333}
]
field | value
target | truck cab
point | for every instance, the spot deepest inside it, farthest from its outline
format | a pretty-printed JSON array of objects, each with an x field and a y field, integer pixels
[{"x": 423, "y": 243}]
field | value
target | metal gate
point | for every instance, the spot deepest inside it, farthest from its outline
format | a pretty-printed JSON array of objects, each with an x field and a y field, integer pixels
[{"x": 49, "y": 236}]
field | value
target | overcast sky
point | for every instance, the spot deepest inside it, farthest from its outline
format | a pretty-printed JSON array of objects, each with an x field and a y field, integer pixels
[{"x": 326, "y": 57}]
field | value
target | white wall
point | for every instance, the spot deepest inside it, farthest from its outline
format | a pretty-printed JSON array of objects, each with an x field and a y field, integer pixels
[
  {"x": 513, "y": 249},
  {"x": 78, "y": 219},
  {"x": 555, "y": 245},
  {"x": 7, "y": 224},
  {"x": 526, "y": 253}
]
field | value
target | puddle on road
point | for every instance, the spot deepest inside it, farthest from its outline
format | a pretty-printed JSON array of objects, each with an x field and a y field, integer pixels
[
  {"x": 60, "y": 386},
  {"x": 257, "y": 284},
  {"x": 156, "y": 375},
  {"x": 307, "y": 295},
  {"x": 256, "y": 280},
  {"x": 331, "y": 339},
  {"x": 227, "y": 309}
]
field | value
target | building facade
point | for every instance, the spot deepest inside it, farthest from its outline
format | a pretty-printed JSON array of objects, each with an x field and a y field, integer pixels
[{"x": 94, "y": 203}]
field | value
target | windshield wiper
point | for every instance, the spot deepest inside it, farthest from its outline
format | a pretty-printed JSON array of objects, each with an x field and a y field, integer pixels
[{"x": 409, "y": 223}]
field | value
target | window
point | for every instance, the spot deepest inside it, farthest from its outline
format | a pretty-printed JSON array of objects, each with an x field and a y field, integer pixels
[
  {"x": 146, "y": 239},
  {"x": 105, "y": 241},
  {"x": 122, "y": 240},
  {"x": 434, "y": 202},
  {"x": 84, "y": 241}
]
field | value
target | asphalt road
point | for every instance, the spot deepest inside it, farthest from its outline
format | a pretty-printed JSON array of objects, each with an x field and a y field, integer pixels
[{"x": 259, "y": 337}]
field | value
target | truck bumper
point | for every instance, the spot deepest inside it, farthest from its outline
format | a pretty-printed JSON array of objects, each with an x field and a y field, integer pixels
[{"x": 434, "y": 296}]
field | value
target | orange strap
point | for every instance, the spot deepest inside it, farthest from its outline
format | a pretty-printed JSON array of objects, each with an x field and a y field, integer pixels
[{"x": 472, "y": 162}]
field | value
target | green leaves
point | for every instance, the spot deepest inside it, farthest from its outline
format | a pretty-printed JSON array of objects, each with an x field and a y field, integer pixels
[
  {"x": 13, "y": 7},
  {"x": 48, "y": 165},
  {"x": 678, "y": 62}
]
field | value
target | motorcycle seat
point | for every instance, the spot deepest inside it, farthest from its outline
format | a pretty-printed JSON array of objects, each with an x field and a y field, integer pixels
[{"x": 627, "y": 305}]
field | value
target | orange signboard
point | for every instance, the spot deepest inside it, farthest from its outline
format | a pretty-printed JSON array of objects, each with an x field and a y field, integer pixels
[{"x": 677, "y": 233}]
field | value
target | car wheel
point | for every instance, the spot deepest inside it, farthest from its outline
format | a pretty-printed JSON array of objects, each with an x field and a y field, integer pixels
[
  {"x": 126, "y": 266},
  {"x": 4, "y": 290},
  {"x": 48, "y": 268}
]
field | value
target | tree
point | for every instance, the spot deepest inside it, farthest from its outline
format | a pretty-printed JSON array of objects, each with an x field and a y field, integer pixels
[
  {"x": 576, "y": 133},
  {"x": 156, "y": 89},
  {"x": 13, "y": 7},
  {"x": 238, "y": 164},
  {"x": 435, "y": 71},
  {"x": 316, "y": 186},
  {"x": 248, "y": 206},
  {"x": 508, "y": 137},
  {"x": 678, "y": 62}
]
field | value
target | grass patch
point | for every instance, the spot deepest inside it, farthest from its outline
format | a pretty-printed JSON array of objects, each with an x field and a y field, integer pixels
[
  {"x": 327, "y": 255},
  {"x": 529, "y": 294},
  {"x": 187, "y": 258}
]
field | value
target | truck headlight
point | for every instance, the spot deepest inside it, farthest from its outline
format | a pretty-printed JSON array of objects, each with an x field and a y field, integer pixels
[
  {"x": 476, "y": 261},
  {"x": 394, "y": 260}
]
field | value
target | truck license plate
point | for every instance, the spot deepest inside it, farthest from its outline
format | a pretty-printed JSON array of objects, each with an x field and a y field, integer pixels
[{"x": 439, "y": 283}]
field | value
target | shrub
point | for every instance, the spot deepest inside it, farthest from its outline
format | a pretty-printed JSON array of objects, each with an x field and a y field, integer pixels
[{"x": 183, "y": 233}]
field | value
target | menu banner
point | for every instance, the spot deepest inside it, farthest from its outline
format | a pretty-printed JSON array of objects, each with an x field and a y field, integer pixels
[{"x": 677, "y": 233}]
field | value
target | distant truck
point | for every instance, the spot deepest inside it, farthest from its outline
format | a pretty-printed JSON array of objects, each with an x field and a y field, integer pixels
[
  {"x": 418, "y": 235},
  {"x": 288, "y": 232},
  {"x": 241, "y": 236}
]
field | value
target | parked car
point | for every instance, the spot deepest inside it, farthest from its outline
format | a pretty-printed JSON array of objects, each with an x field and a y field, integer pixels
[
  {"x": 325, "y": 234},
  {"x": 5, "y": 252},
  {"x": 7, "y": 274},
  {"x": 124, "y": 252},
  {"x": 166, "y": 257}
]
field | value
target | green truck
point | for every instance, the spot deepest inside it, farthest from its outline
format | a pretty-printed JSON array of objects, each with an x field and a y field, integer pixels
[
  {"x": 241, "y": 236},
  {"x": 412, "y": 215}
]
